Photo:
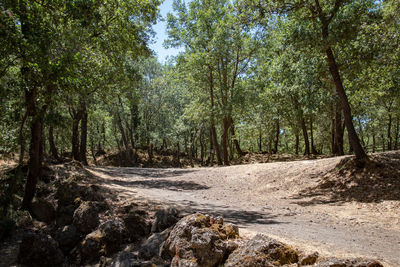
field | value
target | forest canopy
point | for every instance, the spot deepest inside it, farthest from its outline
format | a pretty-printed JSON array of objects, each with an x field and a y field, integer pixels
[{"x": 78, "y": 79}]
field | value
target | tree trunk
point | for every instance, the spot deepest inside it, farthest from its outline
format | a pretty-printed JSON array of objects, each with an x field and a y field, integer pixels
[
  {"x": 305, "y": 136},
  {"x": 124, "y": 139},
  {"x": 339, "y": 130},
  {"x": 259, "y": 140},
  {"x": 21, "y": 139},
  {"x": 361, "y": 132},
  {"x": 389, "y": 132},
  {"x": 53, "y": 148},
  {"x": 276, "y": 139},
  {"x": 353, "y": 137},
  {"x": 224, "y": 141},
  {"x": 83, "y": 143},
  {"x": 75, "y": 134},
  {"x": 34, "y": 164},
  {"x": 235, "y": 141},
  {"x": 211, "y": 155},
  {"x": 297, "y": 144},
  {"x": 396, "y": 137},
  {"x": 313, "y": 150},
  {"x": 333, "y": 124},
  {"x": 373, "y": 142}
]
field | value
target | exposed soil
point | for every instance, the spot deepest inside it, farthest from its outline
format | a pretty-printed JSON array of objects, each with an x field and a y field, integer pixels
[{"x": 329, "y": 205}]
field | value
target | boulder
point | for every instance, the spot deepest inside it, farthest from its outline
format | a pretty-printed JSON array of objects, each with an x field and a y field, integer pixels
[
  {"x": 67, "y": 192},
  {"x": 137, "y": 224},
  {"x": 38, "y": 249},
  {"x": 308, "y": 259},
  {"x": 262, "y": 251},
  {"x": 129, "y": 259},
  {"x": 43, "y": 210},
  {"x": 86, "y": 217},
  {"x": 164, "y": 219},
  {"x": 196, "y": 241},
  {"x": 105, "y": 241},
  {"x": 67, "y": 237},
  {"x": 114, "y": 233},
  {"x": 153, "y": 246},
  {"x": 91, "y": 248},
  {"x": 65, "y": 215}
]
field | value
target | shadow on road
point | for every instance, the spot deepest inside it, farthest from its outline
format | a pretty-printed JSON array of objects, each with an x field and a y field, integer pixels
[
  {"x": 158, "y": 183},
  {"x": 127, "y": 172},
  {"x": 236, "y": 216}
]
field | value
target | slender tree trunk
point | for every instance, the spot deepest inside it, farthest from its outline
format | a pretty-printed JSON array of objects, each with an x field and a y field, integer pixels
[
  {"x": 396, "y": 137},
  {"x": 83, "y": 143},
  {"x": 21, "y": 139},
  {"x": 92, "y": 149},
  {"x": 34, "y": 163},
  {"x": 226, "y": 124},
  {"x": 235, "y": 141},
  {"x": 305, "y": 136},
  {"x": 373, "y": 142},
  {"x": 313, "y": 150},
  {"x": 53, "y": 148},
  {"x": 333, "y": 128},
  {"x": 259, "y": 140},
  {"x": 389, "y": 131},
  {"x": 124, "y": 139},
  {"x": 277, "y": 133},
  {"x": 339, "y": 130},
  {"x": 211, "y": 156},
  {"x": 348, "y": 118},
  {"x": 75, "y": 134},
  {"x": 383, "y": 142},
  {"x": 361, "y": 132}
]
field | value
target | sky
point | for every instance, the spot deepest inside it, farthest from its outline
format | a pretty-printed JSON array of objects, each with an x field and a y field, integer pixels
[{"x": 161, "y": 34}]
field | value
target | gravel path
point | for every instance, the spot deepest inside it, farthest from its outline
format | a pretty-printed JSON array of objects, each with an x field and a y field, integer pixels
[{"x": 269, "y": 198}]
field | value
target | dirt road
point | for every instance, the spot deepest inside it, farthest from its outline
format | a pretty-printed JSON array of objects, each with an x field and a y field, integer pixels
[{"x": 270, "y": 198}]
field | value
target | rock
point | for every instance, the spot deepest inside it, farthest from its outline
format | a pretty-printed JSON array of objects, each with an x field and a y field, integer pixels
[
  {"x": 86, "y": 217},
  {"x": 357, "y": 262},
  {"x": 165, "y": 218},
  {"x": 195, "y": 241},
  {"x": 262, "y": 251},
  {"x": 67, "y": 192},
  {"x": 91, "y": 247},
  {"x": 65, "y": 215},
  {"x": 128, "y": 259},
  {"x": 43, "y": 210},
  {"x": 309, "y": 259},
  {"x": 105, "y": 241},
  {"x": 67, "y": 237},
  {"x": 22, "y": 218},
  {"x": 113, "y": 232},
  {"x": 152, "y": 247},
  {"x": 137, "y": 224},
  {"x": 38, "y": 249}
]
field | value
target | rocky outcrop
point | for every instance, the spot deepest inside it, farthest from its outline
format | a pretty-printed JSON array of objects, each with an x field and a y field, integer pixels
[
  {"x": 39, "y": 249},
  {"x": 105, "y": 241},
  {"x": 43, "y": 210},
  {"x": 154, "y": 245},
  {"x": 164, "y": 219},
  {"x": 198, "y": 240},
  {"x": 262, "y": 251},
  {"x": 86, "y": 217},
  {"x": 137, "y": 224},
  {"x": 67, "y": 237}
]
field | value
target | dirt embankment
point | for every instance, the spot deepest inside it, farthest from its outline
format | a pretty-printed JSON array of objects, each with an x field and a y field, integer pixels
[{"x": 326, "y": 204}]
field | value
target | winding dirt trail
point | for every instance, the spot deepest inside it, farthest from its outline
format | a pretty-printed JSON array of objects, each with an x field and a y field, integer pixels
[{"x": 268, "y": 198}]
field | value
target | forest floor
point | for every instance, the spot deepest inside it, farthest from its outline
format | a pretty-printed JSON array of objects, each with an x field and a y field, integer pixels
[{"x": 329, "y": 205}]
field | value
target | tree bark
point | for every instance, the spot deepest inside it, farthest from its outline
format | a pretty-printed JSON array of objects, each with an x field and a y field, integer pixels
[
  {"x": 21, "y": 140},
  {"x": 76, "y": 118},
  {"x": 313, "y": 150},
  {"x": 235, "y": 141},
  {"x": 83, "y": 143},
  {"x": 305, "y": 136},
  {"x": 348, "y": 119},
  {"x": 389, "y": 132},
  {"x": 34, "y": 163},
  {"x": 211, "y": 155},
  {"x": 297, "y": 144},
  {"x": 276, "y": 138},
  {"x": 339, "y": 131},
  {"x": 224, "y": 142},
  {"x": 396, "y": 136}
]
